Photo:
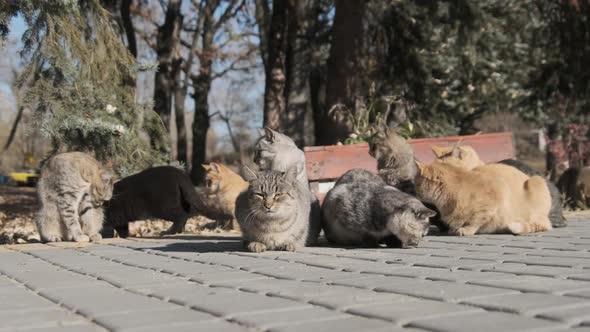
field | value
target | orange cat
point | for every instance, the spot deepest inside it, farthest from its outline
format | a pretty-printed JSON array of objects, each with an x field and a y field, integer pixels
[
  {"x": 491, "y": 198},
  {"x": 222, "y": 189},
  {"x": 463, "y": 156}
]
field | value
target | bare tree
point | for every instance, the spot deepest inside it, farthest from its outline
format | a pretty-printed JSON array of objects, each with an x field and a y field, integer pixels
[{"x": 216, "y": 39}]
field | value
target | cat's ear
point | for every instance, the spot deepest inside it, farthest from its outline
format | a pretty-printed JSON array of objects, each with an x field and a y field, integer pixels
[
  {"x": 291, "y": 174},
  {"x": 107, "y": 178},
  {"x": 206, "y": 167},
  {"x": 214, "y": 167},
  {"x": 456, "y": 150},
  {"x": 269, "y": 134},
  {"x": 249, "y": 174},
  {"x": 419, "y": 165},
  {"x": 424, "y": 213},
  {"x": 439, "y": 151}
]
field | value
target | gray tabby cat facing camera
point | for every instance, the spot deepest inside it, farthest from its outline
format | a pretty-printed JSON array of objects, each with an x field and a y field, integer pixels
[
  {"x": 274, "y": 213},
  {"x": 362, "y": 209}
]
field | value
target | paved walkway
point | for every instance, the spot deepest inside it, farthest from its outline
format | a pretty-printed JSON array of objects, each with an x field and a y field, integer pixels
[{"x": 484, "y": 283}]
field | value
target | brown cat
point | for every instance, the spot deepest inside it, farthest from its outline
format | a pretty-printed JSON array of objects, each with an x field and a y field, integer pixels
[
  {"x": 492, "y": 198},
  {"x": 223, "y": 186}
]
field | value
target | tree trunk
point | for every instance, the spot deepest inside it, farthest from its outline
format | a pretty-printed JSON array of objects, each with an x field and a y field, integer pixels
[
  {"x": 274, "y": 94},
  {"x": 168, "y": 40},
  {"x": 298, "y": 58},
  {"x": 181, "y": 139},
  {"x": 263, "y": 20},
  {"x": 343, "y": 68},
  {"x": 128, "y": 26},
  {"x": 19, "y": 116},
  {"x": 202, "y": 86}
]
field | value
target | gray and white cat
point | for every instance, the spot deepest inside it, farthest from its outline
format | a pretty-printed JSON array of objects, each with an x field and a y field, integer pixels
[
  {"x": 276, "y": 151},
  {"x": 274, "y": 212},
  {"x": 72, "y": 188},
  {"x": 362, "y": 209}
]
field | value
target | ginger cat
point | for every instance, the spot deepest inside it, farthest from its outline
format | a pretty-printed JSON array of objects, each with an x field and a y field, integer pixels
[
  {"x": 222, "y": 189},
  {"x": 467, "y": 158},
  {"x": 489, "y": 199},
  {"x": 462, "y": 156}
]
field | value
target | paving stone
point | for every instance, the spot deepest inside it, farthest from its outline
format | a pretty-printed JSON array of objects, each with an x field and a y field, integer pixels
[
  {"x": 528, "y": 303},
  {"x": 99, "y": 301},
  {"x": 437, "y": 290},
  {"x": 47, "y": 317},
  {"x": 584, "y": 294},
  {"x": 577, "y": 315},
  {"x": 405, "y": 312},
  {"x": 314, "y": 289},
  {"x": 88, "y": 327},
  {"x": 553, "y": 261},
  {"x": 358, "y": 297},
  {"x": 305, "y": 273},
  {"x": 535, "y": 270},
  {"x": 434, "y": 273},
  {"x": 159, "y": 318},
  {"x": 19, "y": 298},
  {"x": 229, "y": 304},
  {"x": 349, "y": 324},
  {"x": 182, "y": 292},
  {"x": 536, "y": 284},
  {"x": 214, "y": 326},
  {"x": 288, "y": 317},
  {"x": 485, "y": 321}
]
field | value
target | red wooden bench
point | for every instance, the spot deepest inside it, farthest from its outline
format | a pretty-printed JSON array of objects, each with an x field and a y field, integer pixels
[{"x": 325, "y": 164}]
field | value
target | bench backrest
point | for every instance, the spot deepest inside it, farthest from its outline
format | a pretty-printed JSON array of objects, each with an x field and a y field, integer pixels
[{"x": 325, "y": 164}]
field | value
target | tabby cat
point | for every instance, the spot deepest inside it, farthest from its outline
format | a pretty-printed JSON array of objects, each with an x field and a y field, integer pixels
[
  {"x": 276, "y": 151},
  {"x": 492, "y": 198},
  {"x": 72, "y": 188},
  {"x": 363, "y": 209},
  {"x": 467, "y": 158},
  {"x": 395, "y": 158},
  {"x": 274, "y": 212}
]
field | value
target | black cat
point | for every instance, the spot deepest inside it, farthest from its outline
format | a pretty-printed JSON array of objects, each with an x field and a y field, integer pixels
[{"x": 163, "y": 192}]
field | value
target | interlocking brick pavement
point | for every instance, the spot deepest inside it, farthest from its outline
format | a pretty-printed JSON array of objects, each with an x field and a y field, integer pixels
[{"x": 538, "y": 282}]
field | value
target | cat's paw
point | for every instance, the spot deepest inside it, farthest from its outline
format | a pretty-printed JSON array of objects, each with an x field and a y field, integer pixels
[
  {"x": 289, "y": 247},
  {"x": 95, "y": 238},
  {"x": 51, "y": 238},
  {"x": 256, "y": 247},
  {"x": 411, "y": 243},
  {"x": 81, "y": 238},
  {"x": 465, "y": 231}
]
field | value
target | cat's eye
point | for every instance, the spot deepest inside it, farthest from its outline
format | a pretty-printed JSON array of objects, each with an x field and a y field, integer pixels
[
  {"x": 259, "y": 195},
  {"x": 278, "y": 195}
]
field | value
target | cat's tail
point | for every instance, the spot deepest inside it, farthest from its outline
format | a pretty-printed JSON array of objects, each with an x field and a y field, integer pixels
[
  {"x": 190, "y": 196},
  {"x": 539, "y": 203},
  {"x": 538, "y": 225}
]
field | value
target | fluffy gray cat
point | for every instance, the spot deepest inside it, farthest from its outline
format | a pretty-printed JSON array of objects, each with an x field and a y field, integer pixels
[
  {"x": 276, "y": 151},
  {"x": 72, "y": 189},
  {"x": 274, "y": 212},
  {"x": 362, "y": 209}
]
